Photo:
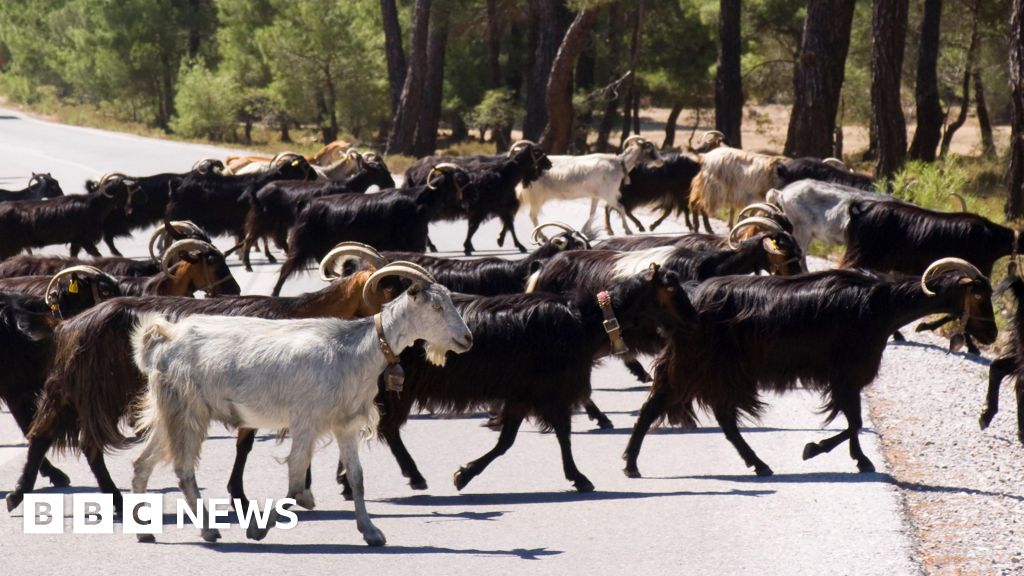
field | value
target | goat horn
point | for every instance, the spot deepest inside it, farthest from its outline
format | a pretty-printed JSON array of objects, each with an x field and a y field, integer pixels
[
  {"x": 91, "y": 270},
  {"x": 352, "y": 153},
  {"x": 634, "y": 138},
  {"x": 282, "y": 157},
  {"x": 204, "y": 165},
  {"x": 835, "y": 163},
  {"x": 439, "y": 169},
  {"x": 401, "y": 268},
  {"x": 184, "y": 227},
  {"x": 961, "y": 200},
  {"x": 561, "y": 225},
  {"x": 182, "y": 246},
  {"x": 519, "y": 144},
  {"x": 759, "y": 222},
  {"x": 944, "y": 265},
  {"x": 358, "y": 249},
  {"x": 712, "y": 134},
  {"x": 35, "y": 178},
  {"x": 763, "y": 207},
  {"x": 372, "y": 157},
  {"x": 106, "y": 178}
]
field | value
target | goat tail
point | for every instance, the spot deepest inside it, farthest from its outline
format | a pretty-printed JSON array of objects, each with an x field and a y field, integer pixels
[
  {"x": 774, "y": 196},
  {"x": 152, "y": 330}
]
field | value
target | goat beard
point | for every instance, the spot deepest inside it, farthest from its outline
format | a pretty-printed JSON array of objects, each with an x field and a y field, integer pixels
[{"x": 436, "y": 355}]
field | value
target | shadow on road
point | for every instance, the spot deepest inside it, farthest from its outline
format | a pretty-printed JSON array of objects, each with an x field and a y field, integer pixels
[
  {"x": 261, "y": 548},
  {"x": 973, "y": 358},
  {"x": 514, "y": 498}
]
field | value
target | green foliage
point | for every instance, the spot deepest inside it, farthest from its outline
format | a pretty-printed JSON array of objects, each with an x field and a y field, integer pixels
[
  {"x": 977, "y": 180},
  {"x": 207, "y": 103},
  {"x": 497, "y": 109}
]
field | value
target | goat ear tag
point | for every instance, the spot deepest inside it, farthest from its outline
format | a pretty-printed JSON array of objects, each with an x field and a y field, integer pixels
[
  {"x": 394, "y": 378},
  {"x": 73, "y": 286}
]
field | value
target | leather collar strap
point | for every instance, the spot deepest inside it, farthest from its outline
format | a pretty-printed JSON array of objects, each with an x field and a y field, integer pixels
[
  {"x": 611, "y": 324},
  {"x": 394, "y": 376}
]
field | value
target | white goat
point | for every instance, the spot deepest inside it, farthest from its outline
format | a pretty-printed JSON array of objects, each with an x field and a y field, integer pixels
[
  {"x": 819, "y": 209},
  {"x": 337, "y": 170},
  {"x": 733, "y": 178},
  {"x": 312, "y": 377},
  {"x": 594, "y": 176}
]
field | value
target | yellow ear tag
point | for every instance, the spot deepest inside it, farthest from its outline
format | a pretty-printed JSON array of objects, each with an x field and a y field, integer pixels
[
  {"x": 295, "y": 162},
  {"x": 772, "y": 244},
  {"x": 73, "y": 286}
]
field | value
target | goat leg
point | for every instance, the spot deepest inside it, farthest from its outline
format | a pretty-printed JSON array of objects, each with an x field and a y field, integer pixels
[
  {"x": 727, "y": 421},
  {"x": 652, "y": 409},
  {"x": 236, "y": 488},
  {"x": 1000, "y": 368},
  {"x": 473, "y": 226},
  {"x": 350, "y": 457},
  {"x": 629, "y": 214},
  {"x": 37, "y": 447},
  {"x": 509, "y": 429},
  {"x": 91, "y": 249},
  {"x": 408, "y": 466},
  {"x": 508, "y": 223},
  {"x": 98, "y": 465},
  {"x": 23, "y": 410},
  {"x": 595, "y": 414},
  {"x": 563, "y": 431},
  {"x": 267, "y": 252},
  {"x": 664, "y": 215},
  {"x": 430, "y": 245},
  {"x": 108, "y": 239},
  {"x": 637, "y": 370}
]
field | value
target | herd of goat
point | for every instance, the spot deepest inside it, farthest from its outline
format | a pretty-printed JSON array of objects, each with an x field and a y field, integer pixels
[{"x": 96, "y": 346}]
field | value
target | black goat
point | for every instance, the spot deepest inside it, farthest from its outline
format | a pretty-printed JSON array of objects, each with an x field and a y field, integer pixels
[
  {"x": 790, "y": 170},
  {"x": 76, "y": 219},
  {"x": 1010, "y": 362},
  {"x": 827, "y": 330},
  {"x": 274, "y": 207},
  {"x": 40, "y": 186},
  {"x": 533, "y": 355},
  {"x": 666, "y": 186},
  {"x": 219, "y": 203},
  {"x": 494, "y": 180},
  {"x": 395, "y": 219},
  {"x": 494, "y": 276},
  {"x": 147, "y": 202}
]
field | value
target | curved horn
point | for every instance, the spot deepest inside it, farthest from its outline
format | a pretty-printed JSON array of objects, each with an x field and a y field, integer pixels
[
  {"x": 439, "y": 169},
  {"x": 358, "y": 249},
  {"x": 634, "y": 138},
  {"x": 961, "y": 200},
  {"x": 92, "y": 270},
  {"x": 176, "y": 230},
  {"x": 519, "y": 144},
  {"x": 372, "y": 158},
  {"x": 182, "y": 246},
  {"x": 835, "y": 163},
  {"x": 118, "y": 176},
  {"x": 944, "y": 265},
  {"x": 712, "y": 134},
  {"x": 283, "y": 157},
  {"x": 204, "y": 165},
  {"x": 759, "y": 222},
  {"x": 763, "y": 207},
  {"x": 563, "y": 226},
  {"x": 35, "y": 178},
  {"x": 353, "y": 153},
  {"x": 401, "y": 268}
]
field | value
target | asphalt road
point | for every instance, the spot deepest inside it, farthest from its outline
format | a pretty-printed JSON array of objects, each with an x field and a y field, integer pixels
[{"x": 697, "y": 510}]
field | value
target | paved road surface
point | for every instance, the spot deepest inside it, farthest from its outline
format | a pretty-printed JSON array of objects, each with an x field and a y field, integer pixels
[{"x": 696, "y": 511}]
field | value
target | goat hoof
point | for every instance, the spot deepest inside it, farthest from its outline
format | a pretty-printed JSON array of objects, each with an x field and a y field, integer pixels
[
  {"x": 305, "y": 499},
  {"x": 631, "y": 472},
  {"x": 811, "y": 450},
  {"x": 256, "y": 533},
  {"x": 248, "y": 268},
  {"x": 645, "y": 378},
  {"x": 763, "y": 470},
  {"x": 985, "y": 419},
  {"x": 605, "y": 424},
  {"x": 271, "y": 259},
  {"x": 419, "y": 484},
  {"x": 146, "y": 538},
  {"x": 14, "y": 500},
  {"x": 59, "y": 479},
  {"x": 494, "y": 423},
  {"x": 865, "y": 466},
  {"x": 462, "y": 478},
  {"x": 522, "y": 249},
  {"x": 374, "y": 537},
  {"x": 210, "y": 534},
  {"x": 583, "y": 485}
]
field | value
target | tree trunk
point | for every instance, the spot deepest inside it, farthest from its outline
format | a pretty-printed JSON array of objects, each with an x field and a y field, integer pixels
[
  {"x": 988, "y": 145},
  {"x": 584, "y": 82},
  {"x": 550, "y": 22},
  {"x": 818, "y": 81},
  {"x": 1015, "y": 175},
  {"x": 630, "y": 87},
  {"x": 493, "y": 45},
  {"x": 929, "y": 109},
  {"x": 433, "y": 86},
  {"x": 558, "y": 133},
  {"x": 670, "y": 126},
  {"x": 888, "y": 37},
  {"x": 393, "y": 51},
  {"x": 616, "y": 24},
  {"x": 728, "y": 81},
  {"x": 965, "y": 102},
  {"x": 286, "y": 138},
  {"x": 403, "y": 127}
]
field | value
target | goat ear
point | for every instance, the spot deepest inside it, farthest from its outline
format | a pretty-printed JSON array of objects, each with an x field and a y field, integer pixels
[
  {"x": 414, "y": 289},
  {"x": 966, "y": 281}
]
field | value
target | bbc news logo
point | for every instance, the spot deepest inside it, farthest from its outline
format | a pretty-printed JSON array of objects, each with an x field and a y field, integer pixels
[{"x": 94, "y": 514}]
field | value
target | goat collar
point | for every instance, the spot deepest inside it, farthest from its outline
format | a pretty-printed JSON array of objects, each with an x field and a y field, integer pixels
[
  {"x": 611, "y": 324},
  {"x": 394, "y": 376}
]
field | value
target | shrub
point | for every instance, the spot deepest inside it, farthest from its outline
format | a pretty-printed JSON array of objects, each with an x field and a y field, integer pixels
[{"x": 207, "y": 104}]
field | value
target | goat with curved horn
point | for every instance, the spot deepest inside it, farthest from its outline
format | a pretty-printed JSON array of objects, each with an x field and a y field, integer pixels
[
  {"x": 538, "y": 236},
  {"x": 636, "y": 138},
  {"x": 81, "y": 268},
  {"x": 183, "y": 246},
  {"x": 759, "y": 207},
  {"x": 961, "y": 200},
  {"x": 174, "y": 230},
  {"x": 945, "y": 265},
  {"x": 372, "y": 295},
  {"x": 836, "y": 163},
  {"x": 343, "y": 249},
  {"x": 712, "y": 135},
  {"x": 439, "y": 169}
]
